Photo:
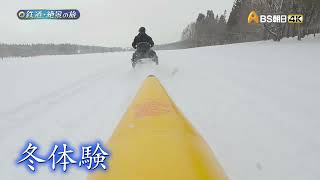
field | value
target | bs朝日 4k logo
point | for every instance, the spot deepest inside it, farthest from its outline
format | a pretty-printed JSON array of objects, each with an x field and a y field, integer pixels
[{"x": 253, "y": 17}]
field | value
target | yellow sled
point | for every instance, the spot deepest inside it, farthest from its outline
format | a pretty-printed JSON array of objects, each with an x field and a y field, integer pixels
[{"x": 154, "y": 141}]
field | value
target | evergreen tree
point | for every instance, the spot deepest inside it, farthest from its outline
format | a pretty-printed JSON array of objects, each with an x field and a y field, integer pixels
[{"x": 234, "y": 14}]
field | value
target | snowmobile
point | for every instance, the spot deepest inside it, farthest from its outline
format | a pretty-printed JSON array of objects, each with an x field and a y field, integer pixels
[{"x": 142, "y": 53}]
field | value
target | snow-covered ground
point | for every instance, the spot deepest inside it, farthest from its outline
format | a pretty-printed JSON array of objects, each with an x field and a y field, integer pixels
[{"x": 257, "y": 104}]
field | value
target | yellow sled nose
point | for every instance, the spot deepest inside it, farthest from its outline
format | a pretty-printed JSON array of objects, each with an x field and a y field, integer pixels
[{"x": 154, "y": 141}]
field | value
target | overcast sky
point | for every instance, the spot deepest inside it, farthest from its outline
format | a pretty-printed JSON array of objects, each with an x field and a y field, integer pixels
[{"x": 104, "y": 22}]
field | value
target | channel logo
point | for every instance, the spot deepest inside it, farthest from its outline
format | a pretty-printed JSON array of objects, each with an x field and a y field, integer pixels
[
  {"x": 295, "y": 18},
  {"x": 262, "y": 19}
]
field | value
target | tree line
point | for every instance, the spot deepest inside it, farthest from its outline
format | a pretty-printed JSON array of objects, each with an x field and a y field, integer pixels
[
  {"x": 208, "y": 29},
  {"x": 27, "y": 50},
  {"x": 211, "y": 29}
]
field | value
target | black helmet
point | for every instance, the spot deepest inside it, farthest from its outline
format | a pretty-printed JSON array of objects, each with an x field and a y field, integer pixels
[{"x": 142, "y": 30}]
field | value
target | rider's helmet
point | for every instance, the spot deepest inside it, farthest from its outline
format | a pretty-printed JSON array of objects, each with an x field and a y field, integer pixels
[{"x": 142, "y": 29}]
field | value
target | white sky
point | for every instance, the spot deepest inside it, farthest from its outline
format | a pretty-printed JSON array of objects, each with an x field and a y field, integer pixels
[{"x": 104, "y": 22}]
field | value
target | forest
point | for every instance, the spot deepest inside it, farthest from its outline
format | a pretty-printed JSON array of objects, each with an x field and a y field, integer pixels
[{"x": 213, "y": 29}]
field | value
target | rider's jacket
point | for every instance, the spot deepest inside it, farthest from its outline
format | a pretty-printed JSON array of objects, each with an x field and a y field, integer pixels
[{"x": 142, "y": 37}]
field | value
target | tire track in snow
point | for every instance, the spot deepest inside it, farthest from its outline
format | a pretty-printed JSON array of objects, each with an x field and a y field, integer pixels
[{"x": 41, "y": 104}]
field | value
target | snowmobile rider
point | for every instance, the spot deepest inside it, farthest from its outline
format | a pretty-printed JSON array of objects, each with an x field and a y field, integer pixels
[
  {"x": 142, "y": 37},
  {"x": 143, "y": 44}
]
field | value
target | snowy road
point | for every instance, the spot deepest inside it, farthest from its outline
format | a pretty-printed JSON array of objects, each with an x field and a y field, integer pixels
[{"x": 259, "y": 111}]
